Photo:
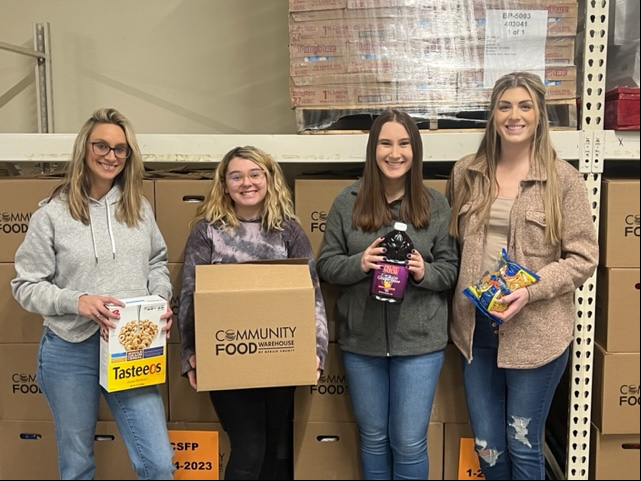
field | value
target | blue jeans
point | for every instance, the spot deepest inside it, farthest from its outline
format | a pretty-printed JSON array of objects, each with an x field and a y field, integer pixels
[
  {"x": 508, "y": 408},
  {"x": 68, "y": 375},
  {"x": 392, "y": 401}
]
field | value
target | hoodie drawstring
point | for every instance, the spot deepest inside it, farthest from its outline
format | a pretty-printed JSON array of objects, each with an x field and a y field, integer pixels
[
  {"x": 93, "y": 239},
  {"x": 111, "y": 236}
]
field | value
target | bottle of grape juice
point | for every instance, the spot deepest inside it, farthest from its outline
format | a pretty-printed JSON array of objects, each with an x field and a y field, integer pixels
[{"x": 389, "y": 283}]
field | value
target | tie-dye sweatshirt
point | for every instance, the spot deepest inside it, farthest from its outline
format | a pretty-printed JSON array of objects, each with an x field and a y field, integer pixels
[{"x": 209, "y": 244}]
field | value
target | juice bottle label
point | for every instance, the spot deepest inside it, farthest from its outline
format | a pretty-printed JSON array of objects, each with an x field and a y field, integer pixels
[{"x": 388, "y": 283}]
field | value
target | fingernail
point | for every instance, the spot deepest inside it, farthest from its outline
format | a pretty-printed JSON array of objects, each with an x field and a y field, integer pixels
[{"x": 384, "y": 250}]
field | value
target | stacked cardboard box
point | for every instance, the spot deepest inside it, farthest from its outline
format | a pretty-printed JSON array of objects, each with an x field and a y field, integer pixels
[{"x": 615, "y": 393}]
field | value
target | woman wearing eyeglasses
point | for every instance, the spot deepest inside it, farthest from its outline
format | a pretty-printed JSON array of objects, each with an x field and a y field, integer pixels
[
  {"x": 248, "y": 215},
  {"x": 92, "y": 243}
]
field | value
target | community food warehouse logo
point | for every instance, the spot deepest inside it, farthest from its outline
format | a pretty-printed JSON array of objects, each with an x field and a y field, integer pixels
[
  {"x": 632, "y": 225},
  {"x": 14, "y": 222},
  {"x": 629, "y": 395},
  {"x": 255, "y": 341},
  {"x": 24, "y": 383}
]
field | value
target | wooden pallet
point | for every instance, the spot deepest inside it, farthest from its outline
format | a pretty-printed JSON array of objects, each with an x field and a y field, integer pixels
[{"x": 346, "y": 120}]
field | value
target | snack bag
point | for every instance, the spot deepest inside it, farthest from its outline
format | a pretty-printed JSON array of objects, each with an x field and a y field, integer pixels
[{"x": 507, "y": 277}]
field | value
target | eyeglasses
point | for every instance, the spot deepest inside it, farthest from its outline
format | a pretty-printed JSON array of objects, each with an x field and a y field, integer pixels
[
  {"x": 254, "y": 176},
  {"x": 120, "y": 151}
]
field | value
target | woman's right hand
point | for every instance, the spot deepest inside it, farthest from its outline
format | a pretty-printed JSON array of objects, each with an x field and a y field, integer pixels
[
  {"x": 191, "y": 375},
  {"x": 94, "y": 308},
  {"x": 372, "y": 256}
]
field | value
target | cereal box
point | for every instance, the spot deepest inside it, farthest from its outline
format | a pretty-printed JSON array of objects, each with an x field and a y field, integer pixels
[{"x": 135, "y": 353}]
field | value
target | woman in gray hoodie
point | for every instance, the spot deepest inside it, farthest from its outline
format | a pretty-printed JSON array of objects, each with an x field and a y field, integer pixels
[{"x": 94, "y": 242}]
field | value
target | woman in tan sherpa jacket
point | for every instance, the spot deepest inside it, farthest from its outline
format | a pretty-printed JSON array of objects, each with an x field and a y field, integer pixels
[{"x": 515, "y": 193}]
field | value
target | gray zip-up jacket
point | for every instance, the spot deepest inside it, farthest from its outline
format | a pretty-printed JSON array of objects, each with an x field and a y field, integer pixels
[
  {"x": 544, "y": 327},
  {"x": 61, "y": 258},
  {"x": 367, "y": 326}
]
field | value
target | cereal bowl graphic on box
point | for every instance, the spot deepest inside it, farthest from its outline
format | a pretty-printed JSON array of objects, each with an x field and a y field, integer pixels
[{"x": 135, "y": 353}]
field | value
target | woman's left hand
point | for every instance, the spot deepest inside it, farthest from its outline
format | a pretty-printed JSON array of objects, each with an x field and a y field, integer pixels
[
  {"x": 416, "y": 265},
  {"x": 516, "y": 300}
]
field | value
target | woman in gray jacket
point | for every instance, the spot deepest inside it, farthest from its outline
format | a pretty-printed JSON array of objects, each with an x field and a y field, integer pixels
[
  {"x": 93, "y": 243},
  {"x": 392, "y": 352}
]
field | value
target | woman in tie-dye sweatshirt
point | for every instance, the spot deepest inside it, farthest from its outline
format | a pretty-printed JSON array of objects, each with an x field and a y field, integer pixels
[{"x": 247, "y": 215}]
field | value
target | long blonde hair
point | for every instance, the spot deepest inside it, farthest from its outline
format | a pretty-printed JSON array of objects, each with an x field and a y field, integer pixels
[
  {"x": 218, "y": 207},
  {"x": 76, "y": 183},
  {"x": 371, "y": 209},
  {"x": 480, "y": 180}
]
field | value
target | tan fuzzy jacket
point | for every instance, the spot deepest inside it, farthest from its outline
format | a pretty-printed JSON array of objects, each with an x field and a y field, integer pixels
[{"x": 544, "y": 327}]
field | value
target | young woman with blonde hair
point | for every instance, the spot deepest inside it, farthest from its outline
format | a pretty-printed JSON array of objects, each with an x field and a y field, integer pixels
[
  {"x": 515, "y": 193},
  {"x": 247, "y": 215}
]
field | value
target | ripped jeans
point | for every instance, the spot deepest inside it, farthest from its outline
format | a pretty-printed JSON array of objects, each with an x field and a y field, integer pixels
[{"x": 508, "y": 408}]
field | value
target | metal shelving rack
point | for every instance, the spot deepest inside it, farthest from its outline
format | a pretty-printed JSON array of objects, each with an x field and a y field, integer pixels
[
  {"x": 589, "y": 147},
  {"x": 44, "y": 91}
]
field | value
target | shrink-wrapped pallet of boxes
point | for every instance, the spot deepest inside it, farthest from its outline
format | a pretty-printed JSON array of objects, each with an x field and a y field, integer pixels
[{"x": 433, "y": 59}]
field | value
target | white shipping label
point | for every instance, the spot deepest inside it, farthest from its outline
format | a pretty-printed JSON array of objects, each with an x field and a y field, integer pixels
[{"x": 514, "y": 40}]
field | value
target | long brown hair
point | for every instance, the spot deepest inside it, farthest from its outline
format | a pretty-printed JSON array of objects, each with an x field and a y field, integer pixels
[
  {"x": 76, "y": 183},
  {"x": 371, "y": 210},
  {"x": 480, "y": 180}
]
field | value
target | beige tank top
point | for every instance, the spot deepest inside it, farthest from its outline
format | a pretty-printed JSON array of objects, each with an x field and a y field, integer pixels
[{"x": 497, "y": 231}]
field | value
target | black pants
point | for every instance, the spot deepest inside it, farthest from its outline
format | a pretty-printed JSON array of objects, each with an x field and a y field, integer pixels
[{"x": 254, "y": 420}]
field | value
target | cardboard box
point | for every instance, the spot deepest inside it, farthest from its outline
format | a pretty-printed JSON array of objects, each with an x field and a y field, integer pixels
[
  {"x": 29, "y": 451},
  {"x": 176, "y": 204},
  {"x": 613, "y": 456},
  {"x": 619, "y": 223},
  {"x": 19, "y": 199},
  {"x": 16, "y": 324},
  {"x": 617, "y": 309},
  {"x": 255, "y": 325},
  {"x": 327, "y": 401},
  {"x": 135, "y": 353},
  {"x": 303, "y": 5},
  {"x": 185, "y": 404},
  {"x": 615, "y": 392}
]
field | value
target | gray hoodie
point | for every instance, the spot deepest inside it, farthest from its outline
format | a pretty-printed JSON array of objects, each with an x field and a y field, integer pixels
[{"x": 61, "y": 258}]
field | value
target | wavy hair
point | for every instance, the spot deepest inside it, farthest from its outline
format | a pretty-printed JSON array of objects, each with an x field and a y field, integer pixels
[
  {"x": 218, "y": 207},
  {"x": 76, "y": 183},
  {"x": 542, "y": 161},
  {"x": 371, "y": 209}
]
